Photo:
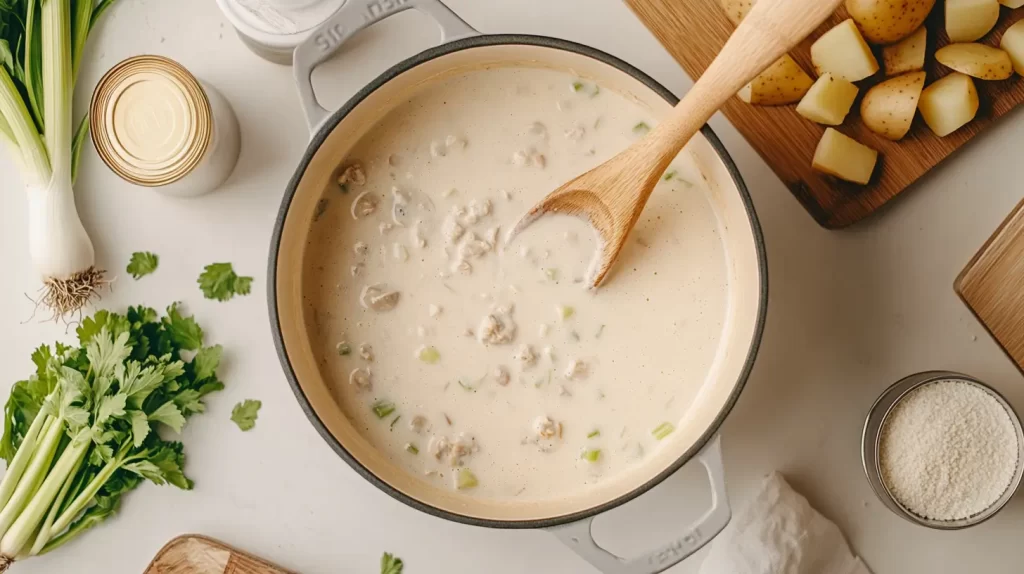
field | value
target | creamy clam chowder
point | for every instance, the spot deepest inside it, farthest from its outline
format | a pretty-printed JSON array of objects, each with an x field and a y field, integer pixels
[{"x": 487, "y": 367}]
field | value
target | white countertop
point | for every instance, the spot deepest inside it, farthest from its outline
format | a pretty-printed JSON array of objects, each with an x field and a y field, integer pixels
[{"x": 850, "y": 313}]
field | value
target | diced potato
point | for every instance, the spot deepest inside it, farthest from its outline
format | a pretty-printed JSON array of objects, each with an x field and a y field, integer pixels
[
  {"x": 888, "y": 108},
  {"x": 1013, "y": 43},
  {"x": 1012, "y": 3},
  {"x": 906, "y": 55},
  {"x": 948, "y": 104},
  {"x": 843, "y": 52},
  {"x": 978, "y": 60},
  {"x": 828, "y": 101},
  {"x": 784, "y": 82},
  {"x": 888, "y": 21},
  {"x": 968, "y": 20},
  {"x": 844, "y": 157},
  {"x": 736, "y": 10}
]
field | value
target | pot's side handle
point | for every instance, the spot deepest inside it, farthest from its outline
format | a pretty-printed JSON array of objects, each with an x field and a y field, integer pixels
[
  {"x": 577, "y": 536},
  {"x": 353, "y": 16}
]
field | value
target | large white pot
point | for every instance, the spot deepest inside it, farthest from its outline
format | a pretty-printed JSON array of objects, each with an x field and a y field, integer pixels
[{"x": 334, "y": 134}]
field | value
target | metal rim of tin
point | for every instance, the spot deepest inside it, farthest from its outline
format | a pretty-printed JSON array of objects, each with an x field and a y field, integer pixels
[
  {"x": 872, "y": 435},
  {"x": 109, "y": 145}
]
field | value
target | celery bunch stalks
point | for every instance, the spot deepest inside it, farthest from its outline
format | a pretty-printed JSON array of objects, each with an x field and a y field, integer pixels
[{"x": 82, "y": 431}]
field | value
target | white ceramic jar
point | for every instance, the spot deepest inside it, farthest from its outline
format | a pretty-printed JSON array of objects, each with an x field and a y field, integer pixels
[
  {"x": 156, "y": 125},
  {"x": 273, "y": 28}
]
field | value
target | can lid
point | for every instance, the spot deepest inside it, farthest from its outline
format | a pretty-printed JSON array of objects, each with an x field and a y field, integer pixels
[{"x": 151, "y": 120}]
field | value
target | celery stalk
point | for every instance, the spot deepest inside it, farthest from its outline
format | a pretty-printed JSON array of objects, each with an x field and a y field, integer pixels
[
  {"x": 46, "y": 530},
  {"x": 19, "y": 534},
  {"x": 85, "y": 497},
  {"x": 33, "y": 477},
  {"x": 21, "y": 459}
]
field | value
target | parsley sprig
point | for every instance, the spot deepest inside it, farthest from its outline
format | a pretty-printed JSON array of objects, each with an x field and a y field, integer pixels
[{"x": 219, "y": 281}]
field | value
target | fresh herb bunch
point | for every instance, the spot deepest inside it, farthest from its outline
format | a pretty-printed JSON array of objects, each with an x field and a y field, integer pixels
[{"x": 81, "y": 431}]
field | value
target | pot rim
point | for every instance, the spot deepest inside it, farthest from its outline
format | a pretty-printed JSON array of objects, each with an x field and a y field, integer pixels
[{"x": 328, "y": 126}]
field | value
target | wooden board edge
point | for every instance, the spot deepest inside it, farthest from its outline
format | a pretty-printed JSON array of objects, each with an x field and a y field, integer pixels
[
  {"x": 183, "y": 538},
  {"x": 958, "y": 284},
  {"x": 969, "y": 268}
]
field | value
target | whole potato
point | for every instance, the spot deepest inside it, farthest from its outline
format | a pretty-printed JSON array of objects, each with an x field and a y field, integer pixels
[{"x": 888, "y": 21}]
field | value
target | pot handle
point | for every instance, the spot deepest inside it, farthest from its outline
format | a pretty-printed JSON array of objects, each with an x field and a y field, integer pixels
[
  {"x": 353, "y": 16},
  {"x": 578, "y": 537}
]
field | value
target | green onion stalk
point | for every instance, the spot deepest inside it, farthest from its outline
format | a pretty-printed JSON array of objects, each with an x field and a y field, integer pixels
[{"x": 41, "y": 47}]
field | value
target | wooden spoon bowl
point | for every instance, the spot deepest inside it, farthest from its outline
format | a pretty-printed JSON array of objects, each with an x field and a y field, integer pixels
[{"x": 612, "y": 195}]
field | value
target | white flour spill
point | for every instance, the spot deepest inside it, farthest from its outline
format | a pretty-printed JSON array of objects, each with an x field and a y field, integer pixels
[{"x": 948, "y": 450}]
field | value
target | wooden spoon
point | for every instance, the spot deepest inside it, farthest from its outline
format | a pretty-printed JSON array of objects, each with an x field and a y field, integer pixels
[{"x": 612, "y": 195}]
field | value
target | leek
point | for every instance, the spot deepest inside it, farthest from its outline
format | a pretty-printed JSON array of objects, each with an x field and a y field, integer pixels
[{"x": 41, "y": 48}]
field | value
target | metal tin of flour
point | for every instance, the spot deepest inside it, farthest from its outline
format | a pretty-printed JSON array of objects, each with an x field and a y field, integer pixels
[
  {"x": 871, "y": 447},
  {"x": 156, "y": 125},
  {"x": 273, "y": 28}
]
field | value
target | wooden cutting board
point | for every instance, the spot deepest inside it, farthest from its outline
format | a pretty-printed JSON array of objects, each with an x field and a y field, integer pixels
[
  {"x": 194, "y": 554},
  {"x": 693, "y": 31},
  {"x": 992, "y": 285}
]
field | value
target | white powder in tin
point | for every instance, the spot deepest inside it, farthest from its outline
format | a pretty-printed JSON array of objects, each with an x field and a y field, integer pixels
[{"x": 948, "y": 450}]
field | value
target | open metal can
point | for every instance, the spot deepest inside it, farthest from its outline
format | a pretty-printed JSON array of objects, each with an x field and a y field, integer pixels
[
  {"x": 871, "y": 440},
  {"x": 156, "y": 125}
]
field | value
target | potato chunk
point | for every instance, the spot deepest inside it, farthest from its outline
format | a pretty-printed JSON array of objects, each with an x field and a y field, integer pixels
[
  {"x": 736, "y": 10},
  {"x": 843, "y": 52},
  {"x": 906, "y": 55},
  {"x": 828, "y": 101},
  {"x": 977, "y": 60},
  {"x": 888, "y": 108},
  {"x": 888, "y": 21},
  {"x": 1013, "y": 44},
  {"x": 784, "y": 82},
  {"x": 948, "y": 104},
  {"x": 844, "y": 157},
  {"x": 968, "y": 20}
]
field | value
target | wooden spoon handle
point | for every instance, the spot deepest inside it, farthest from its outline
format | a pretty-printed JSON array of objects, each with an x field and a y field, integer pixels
[{"x": 770, "y": 30}]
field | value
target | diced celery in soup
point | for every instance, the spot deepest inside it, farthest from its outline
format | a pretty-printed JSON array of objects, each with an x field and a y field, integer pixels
[{"x": 489, "y": 369}]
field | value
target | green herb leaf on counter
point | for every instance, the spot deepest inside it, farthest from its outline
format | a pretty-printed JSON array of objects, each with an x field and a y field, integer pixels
[
  {"x": 128, "y": 373},
  {"x": 591, "y": 455},
  {"x": 219, "y": 281},
  {"x": 245, "y": 413},
  {"x": 669, "y": 176},
  {"x": 641, "y": 128},
  {"x": 594, "y": 434},
  {"x": 577, "y": 86},
  {"x": 390, "y": 564},
  {"x": 142, "y": 263}
]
